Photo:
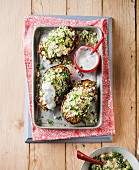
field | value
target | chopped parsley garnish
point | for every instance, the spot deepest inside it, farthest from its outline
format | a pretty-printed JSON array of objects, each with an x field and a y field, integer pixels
[
  {"x": 89, "y": 118},
  {"x": 40, "y": 66},
  {"x": 83, "y": 145},
  {"x": 59, "y": 118},
  {"x": 90, "y": 85},
  {"x": 50, "y": 122}
]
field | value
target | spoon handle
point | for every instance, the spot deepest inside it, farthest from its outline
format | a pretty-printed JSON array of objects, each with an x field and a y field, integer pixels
[
  {"x": 84, "y": 157},
  {"x": 98, "y": 44}
]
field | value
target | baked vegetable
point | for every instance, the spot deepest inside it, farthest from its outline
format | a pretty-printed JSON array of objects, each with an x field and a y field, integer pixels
[
  {"x": 58, "y": 43},
  {"x": 55, "y": 83},
  {"x": 78, "y": 101}
]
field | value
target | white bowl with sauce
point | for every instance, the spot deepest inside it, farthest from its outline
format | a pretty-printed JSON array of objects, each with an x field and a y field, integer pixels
[
  {"x": 85, "y": 59},
  {"x": 125, "y": 153}
]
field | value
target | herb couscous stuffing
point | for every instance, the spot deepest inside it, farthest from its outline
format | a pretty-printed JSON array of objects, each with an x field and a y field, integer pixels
[
  {"x": 58, "y": 43},
  {"x": 89, "y": 37},
  {"x": 78, "y": 101},
  {"x": 111, "y": 161}
]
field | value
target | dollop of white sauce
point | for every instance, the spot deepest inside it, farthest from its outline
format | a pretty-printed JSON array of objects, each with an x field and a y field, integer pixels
[
  {"x": 49, "y": 94},
  {"x": 85, "y": 59}
]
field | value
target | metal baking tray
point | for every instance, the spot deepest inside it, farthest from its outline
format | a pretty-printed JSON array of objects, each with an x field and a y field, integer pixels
[{"x": 41, "y": 117}]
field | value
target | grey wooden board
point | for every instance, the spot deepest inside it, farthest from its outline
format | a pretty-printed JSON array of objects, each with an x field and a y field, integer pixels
[{"x": 27, "y": 122}]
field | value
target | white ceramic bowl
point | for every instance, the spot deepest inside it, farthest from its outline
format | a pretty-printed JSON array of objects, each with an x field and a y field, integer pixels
[{"x": 128, "y": 155}]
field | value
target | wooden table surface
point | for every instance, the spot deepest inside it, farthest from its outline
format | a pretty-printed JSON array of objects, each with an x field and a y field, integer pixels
[{"x": 14, "y": 153}]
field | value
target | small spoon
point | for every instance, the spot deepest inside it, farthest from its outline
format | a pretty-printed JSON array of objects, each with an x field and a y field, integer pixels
[
  {"x": 98, "y": 44},
  {"x": 84, "y": 157}
]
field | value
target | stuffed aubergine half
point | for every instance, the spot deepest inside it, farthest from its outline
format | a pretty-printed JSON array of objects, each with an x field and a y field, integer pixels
[
  {"x": 58, "y": 43},
  {"x": 55, "y": 83},
  {"x": 78, "y": 101}
]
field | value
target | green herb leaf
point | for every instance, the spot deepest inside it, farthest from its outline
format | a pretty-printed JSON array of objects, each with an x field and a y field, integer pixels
[
  {"x": 40, "y": 66},
  {"x": 66, "y": 107},
  {"x": 83, "y": 145},
  {"x": 51, "y": 122},
  {"x": 59, "y": 118}
]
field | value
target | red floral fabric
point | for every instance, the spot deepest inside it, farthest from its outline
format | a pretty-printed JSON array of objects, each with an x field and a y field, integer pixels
[{"x": 107, "y": 126}]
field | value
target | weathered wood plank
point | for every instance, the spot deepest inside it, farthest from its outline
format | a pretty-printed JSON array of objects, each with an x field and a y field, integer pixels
[
  {"x": 49, "y": 7},
  {"x": 84, "y": 8},
  {"x": 48, "y": 156},
  {"x": 124, "y": 61},
  {"x": 13, "y": 152},
  {"x": 137, "y": 54}
]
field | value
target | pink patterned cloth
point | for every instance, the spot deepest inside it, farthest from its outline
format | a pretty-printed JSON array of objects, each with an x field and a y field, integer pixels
[{"x": 107, "y": 126}]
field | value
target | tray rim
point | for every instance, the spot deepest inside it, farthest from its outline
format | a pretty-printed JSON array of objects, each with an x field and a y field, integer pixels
[{"x": 33, "y": 56}]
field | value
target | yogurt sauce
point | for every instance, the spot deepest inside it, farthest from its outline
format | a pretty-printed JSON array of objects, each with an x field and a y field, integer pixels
[
  {"x": 85, "y": 59},
  {"x": 49, "y": 95}
]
